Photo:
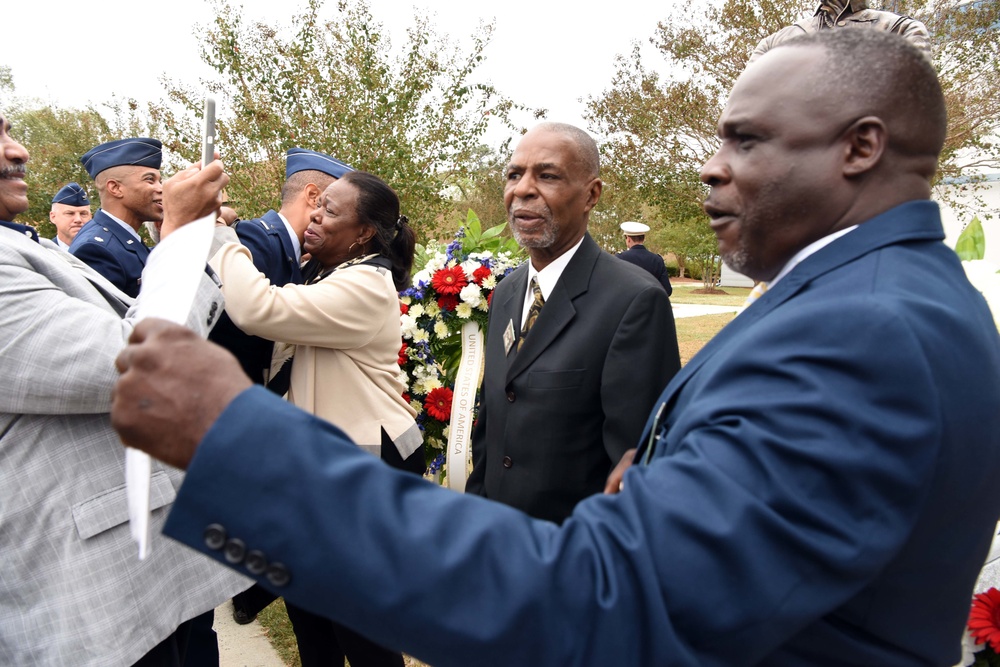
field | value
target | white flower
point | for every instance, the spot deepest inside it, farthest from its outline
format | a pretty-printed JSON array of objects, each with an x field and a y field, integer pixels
[
  {"x": 984, "y": 277},
  {"x": 419, "y": 335},
  {"x": 417, "y": 405},
  {"x": 416, "y": 311},
  {"x": 441, "y": 329},
  {"x": 464, "y": 311},
  {"x": 470, "y": 266},
  {"x": 471, "y": 294},
  {"x": 484, "y": 306},
  {"x": 409, "y": 325},
  {"x": 421, "y": 278},
  {"x": 427, "y": 385},
  {"x": 407, "y": 300},
  {"x": 433, "y": 310},
  {"x": 435, "y": 263},
  {"x": 490, "y": 281}
]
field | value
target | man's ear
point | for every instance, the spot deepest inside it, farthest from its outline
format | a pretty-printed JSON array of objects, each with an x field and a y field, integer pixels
[
  {"x": 313, "y": 193},
  {"x": 114, "y": 188},
  {"x": 594, "y": 193},
  {"x": 865, "y": 144}
]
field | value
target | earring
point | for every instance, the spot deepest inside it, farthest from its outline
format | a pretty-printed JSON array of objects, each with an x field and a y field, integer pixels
[{"x": 352, "y": 246}]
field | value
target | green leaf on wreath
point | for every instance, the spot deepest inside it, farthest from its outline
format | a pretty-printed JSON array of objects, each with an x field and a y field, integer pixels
[
  {"x": 971, "y": 242},
  {"x": 493, "y": 232}
]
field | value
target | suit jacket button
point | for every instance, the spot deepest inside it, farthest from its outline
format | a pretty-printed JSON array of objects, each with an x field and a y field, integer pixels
[
  {"x": 256, "y": 562},
  {"x": 236, "y": 551},
  {"x": 215, "y": 536},
  {"x": 508, "y": 462},
  {"x": 278, "y": 574},
  {"x": 511, "y": 397}
]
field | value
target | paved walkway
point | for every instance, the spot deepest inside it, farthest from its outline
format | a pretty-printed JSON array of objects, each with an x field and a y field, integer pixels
[{"x": 243, "y": 645}]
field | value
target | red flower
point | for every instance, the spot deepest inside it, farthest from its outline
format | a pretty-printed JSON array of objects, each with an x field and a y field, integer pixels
[
  {"x": 406, "y": 397},
  {"x": 403, "y": 308},
  {"x": 984, "y": 619},
  {"x": 448, "y": 302},
  {"x": 489, "y": 298},
  {"x": 450, "y": 280},
  {"x": 480, "y": 274},
  {"x": 402, "y": 354},
  {"x": 438, "y": 403}
]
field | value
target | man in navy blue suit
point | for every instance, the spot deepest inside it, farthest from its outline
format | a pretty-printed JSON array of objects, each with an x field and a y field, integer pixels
[
  {"x": 127, "y": 175},
  {"x": 636, "y": 253},
  {"x": 816, "y": 487}
]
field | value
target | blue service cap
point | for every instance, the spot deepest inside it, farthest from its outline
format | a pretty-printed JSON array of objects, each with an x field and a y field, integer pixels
[
  {"x": 140, "y": 151},
  {"x": 301, "y": 159},
  {"x": 71, "y": 194}
]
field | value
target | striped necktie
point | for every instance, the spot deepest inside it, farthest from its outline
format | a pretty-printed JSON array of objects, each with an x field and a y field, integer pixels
[
  {"x": 533, "y": 310},
  {"x": 758, "y": 291}
]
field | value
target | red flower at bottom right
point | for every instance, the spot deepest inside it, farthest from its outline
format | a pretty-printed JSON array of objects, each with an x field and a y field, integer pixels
[{"x": 984, "y": 619}]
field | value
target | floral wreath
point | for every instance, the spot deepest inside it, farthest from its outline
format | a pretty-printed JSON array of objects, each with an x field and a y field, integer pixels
[{"x": 453, "y": 285}]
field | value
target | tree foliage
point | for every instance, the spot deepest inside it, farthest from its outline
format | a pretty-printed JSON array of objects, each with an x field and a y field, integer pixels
[
  {"x": 660, "y": 129},
  {"x": 337, "y": 85}
]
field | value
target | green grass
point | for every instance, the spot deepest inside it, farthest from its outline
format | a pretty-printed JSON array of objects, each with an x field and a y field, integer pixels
[
  {"x": 282, "y": 637},
  {"x": 279, "y": 632},
  {"x": 692, "y": 334},
  {"x": 727, "y": 296}
]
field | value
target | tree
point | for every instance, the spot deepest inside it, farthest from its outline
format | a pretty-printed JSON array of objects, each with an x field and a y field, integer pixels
[
  {"x": 55, "y": 139},
  {"x": 660, "y": 130},
  {"x": 337, "y": 87}
]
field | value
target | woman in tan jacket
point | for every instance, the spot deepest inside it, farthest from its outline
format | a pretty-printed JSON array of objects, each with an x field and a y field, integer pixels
[{"x": 344, "y": 326}]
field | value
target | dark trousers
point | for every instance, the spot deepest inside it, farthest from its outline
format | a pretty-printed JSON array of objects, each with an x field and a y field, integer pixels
[
  {"x": 253, "y": 600},
  {"x": 193, "y": 643},
  {"x": 322, "y": 642}
]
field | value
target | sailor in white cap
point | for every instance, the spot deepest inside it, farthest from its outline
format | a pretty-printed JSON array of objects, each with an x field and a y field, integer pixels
[{"x": 635, "y": 234}]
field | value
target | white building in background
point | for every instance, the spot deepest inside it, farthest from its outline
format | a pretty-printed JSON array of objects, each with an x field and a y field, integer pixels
[
  {"x": 959, "y": 202},
  {"x": 982, "y": 199}
]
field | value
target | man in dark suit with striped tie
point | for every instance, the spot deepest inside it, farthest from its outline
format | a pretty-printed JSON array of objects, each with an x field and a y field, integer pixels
[{"x": 579, "y": 346}]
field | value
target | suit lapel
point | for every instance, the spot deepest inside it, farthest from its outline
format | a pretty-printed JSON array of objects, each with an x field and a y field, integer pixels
[
  {"x": 558, "y": 310},
  {"x": 512, "y": 308}
]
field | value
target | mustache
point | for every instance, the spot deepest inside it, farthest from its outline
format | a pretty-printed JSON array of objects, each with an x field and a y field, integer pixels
[{"x": 13, "y": 170}]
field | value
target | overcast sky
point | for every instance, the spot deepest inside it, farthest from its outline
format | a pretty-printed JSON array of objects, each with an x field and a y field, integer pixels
[{"x": 546, "y": 54}]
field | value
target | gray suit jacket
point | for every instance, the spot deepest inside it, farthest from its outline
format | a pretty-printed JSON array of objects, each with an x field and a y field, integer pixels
[
  {"x": 558, "y": 414},
  {"x": 72, "y": 590}
]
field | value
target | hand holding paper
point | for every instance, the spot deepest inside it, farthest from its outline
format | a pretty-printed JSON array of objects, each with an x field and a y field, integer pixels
[{"x": 170, "y": 280}]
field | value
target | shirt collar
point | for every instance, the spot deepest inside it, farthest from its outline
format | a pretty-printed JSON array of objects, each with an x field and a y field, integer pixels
[
  {"x": 813, "y": 247},
  {"x": 549, "y": 276},
  {"x": 125, "y": 226},
  {"x": 296, "y": 246}
]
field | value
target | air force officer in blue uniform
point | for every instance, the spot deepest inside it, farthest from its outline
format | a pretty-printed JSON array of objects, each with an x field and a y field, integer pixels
[
  {"x": 127, "y": 175},
  {"x": 275, "y": 244},
  {"x": 69, "y": 213},
  {"x": 817, "y": 486}
]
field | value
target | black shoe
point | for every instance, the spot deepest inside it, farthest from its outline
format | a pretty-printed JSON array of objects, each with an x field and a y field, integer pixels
[{"x": 241, "y": 617}]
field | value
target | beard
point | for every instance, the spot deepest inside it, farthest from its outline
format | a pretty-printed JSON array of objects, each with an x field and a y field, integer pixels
[{"x": 545, "y": 239}]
